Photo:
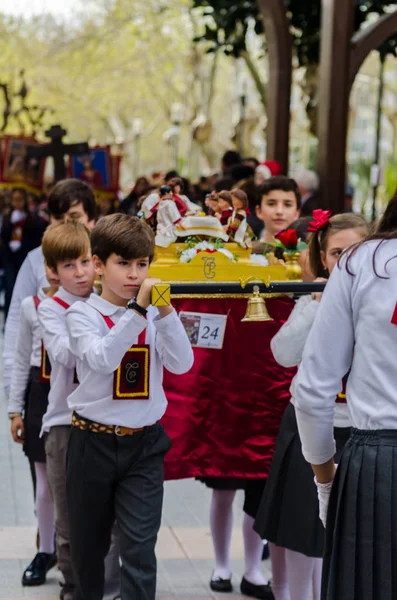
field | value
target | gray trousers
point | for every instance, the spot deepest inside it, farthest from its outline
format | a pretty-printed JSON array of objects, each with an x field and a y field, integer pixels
[
  {"x": 111, "y": 477},
  {"x": 56, "y": 448}
]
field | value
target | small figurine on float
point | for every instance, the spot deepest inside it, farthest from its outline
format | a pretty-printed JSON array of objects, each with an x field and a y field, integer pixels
[
  {"x": 149, "y": 208},
  {"x": 225, "y": 207},
  {"x": 237, "y": 228},
  {"x": 168, "y": 217},
  {"x": 185, "y": 206},
  {"x": 211, "y": 202}
]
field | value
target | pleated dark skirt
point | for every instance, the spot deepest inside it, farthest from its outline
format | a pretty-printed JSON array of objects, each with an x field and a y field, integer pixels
[
  {"x": 36, "y": 406},
  {"x": 253, "y": 490},
  {"x": 288, "y": 514},
  {"x": 360, "y": 561}
]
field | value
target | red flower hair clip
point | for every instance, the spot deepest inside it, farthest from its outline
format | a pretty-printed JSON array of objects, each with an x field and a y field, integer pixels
[{"x": 321, "y": 220}]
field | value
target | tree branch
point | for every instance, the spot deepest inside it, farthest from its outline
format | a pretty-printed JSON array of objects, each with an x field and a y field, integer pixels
[
  {"x": 260, "y": 86},
  {"x": 369, "y": 39}
]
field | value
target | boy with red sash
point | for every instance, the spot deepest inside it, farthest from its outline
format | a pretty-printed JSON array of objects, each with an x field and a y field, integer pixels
[
  {"x": 117, "y": 445},
  {"x": 67, "y": 252},
  {"x": 26, "y": 406}
]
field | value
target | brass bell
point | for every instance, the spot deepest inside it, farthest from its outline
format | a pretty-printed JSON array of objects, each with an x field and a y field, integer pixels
[{"x": 256, "y": 308}]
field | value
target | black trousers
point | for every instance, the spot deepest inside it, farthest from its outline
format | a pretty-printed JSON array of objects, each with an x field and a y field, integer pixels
[{"x": 111, "y": 477}]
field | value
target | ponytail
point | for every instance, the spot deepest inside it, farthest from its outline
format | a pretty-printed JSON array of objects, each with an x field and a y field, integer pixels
[{"x": 318, "y": 241}]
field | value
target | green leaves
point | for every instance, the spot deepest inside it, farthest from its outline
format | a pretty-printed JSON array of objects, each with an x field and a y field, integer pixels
[{"x": 230, "y": 20}]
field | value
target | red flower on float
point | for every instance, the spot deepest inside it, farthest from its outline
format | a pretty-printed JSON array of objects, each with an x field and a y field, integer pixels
[{"x": 288, "y": 238}]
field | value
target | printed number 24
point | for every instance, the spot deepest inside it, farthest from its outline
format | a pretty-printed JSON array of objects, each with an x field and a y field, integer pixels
[{"x": 207, "y": 334}]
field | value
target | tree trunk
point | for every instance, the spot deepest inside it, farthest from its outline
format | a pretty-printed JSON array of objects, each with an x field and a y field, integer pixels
[{"x": 279, "y": 43}]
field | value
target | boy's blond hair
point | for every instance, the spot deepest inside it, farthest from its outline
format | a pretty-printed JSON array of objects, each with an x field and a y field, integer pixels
[{"x": 65, "y": 241}]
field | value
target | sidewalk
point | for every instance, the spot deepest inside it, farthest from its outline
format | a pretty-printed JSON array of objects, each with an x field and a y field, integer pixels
[{"x": 184, "y": 550}]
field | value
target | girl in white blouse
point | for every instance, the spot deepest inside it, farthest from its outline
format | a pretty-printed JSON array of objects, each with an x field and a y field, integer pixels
[
  {"x": 355, "y": 329},
  {"x": 288, "y": 516}
]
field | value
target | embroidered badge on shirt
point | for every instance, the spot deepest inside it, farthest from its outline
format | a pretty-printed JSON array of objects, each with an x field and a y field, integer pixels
[
  {"x": 45, "y": 366},
  {"x": 131, "y": 380}
]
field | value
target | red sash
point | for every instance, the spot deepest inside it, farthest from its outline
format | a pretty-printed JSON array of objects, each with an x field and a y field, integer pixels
[
  {"x": 181, "y": 206},
  {"x": 45, "y": 368},
  {"x": 394, "y": 317},
  {"x": 131, "y": 381},
  {"x": 61, "y": 302}
]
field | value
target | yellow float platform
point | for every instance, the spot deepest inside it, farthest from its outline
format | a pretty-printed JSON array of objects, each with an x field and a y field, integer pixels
[{"x": 212, "y": 266}]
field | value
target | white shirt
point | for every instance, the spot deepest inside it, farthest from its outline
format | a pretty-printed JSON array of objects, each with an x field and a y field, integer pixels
[
  {"x": 100, "y": 350},
  {"x": 52, "y": 318},
  {"x": 31, "y": 278},
  {"x": 168, "y": 216},
  {"x": 192, "y": 207},
  {"x": 289, "y": 342},
  {"x": 352, "y": 327},
  {"x": 148, "y": 204},
  {"x": 27, "y": 352}
]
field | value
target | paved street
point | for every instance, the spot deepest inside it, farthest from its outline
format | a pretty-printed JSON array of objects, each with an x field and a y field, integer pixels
[{"x": 184, "y": 550}]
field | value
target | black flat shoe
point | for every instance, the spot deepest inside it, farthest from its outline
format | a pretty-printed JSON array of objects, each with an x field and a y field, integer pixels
[
  {"x": 36, "y": 572},
  {"x": 264, "y": 592},
  {"x": 221, "y": 585}
]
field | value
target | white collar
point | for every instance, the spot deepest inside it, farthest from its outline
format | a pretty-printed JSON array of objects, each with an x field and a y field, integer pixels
[
  {"x": 41, "y": 294},
  {"x": 103, "y": 306},
  {"x": 67, "y": 296}
]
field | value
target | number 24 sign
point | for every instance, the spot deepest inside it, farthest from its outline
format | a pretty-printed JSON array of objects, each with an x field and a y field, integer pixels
[{"x": 204, "y": 330}]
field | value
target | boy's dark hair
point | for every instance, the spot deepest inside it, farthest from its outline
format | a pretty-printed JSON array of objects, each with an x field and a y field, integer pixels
[
  {"x": 301, "y": 227},
  {"x": 230, "y": 158},
  {"x": 65, "y": 241},
  {"x": 126, "y": 236},
  {"x": 281, "y": 182},
  {"x": 170, "y": 175},
  {"x": 225, "y": 183},
  {"x": 68, "y": 193},
  {"x": 239, "y": 172}
]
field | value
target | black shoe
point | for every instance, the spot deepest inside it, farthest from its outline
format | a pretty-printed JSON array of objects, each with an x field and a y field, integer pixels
[
  {"x": 266, "y": 552},
  {"x": 36, "y": 572},
  {"x": 221, "y": 585},
  {"x": 264, "y": 592}
]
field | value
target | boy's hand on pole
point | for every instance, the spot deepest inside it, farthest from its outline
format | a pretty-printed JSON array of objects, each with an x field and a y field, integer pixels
[{"x": 144, "y": 296}]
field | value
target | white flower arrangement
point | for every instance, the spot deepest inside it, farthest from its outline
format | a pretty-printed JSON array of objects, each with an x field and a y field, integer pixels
[
  {"x": 187, "y": 255},
  {"x": 259, "y": 259}
]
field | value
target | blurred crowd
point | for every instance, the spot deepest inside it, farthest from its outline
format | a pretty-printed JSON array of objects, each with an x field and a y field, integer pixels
[{"x": 23, "y": 214}]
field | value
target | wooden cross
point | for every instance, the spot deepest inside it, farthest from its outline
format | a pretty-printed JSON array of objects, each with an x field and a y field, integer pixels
[{"x": 57, "y": 149}]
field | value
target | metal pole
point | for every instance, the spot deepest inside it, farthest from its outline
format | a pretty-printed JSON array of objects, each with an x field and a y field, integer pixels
[
  {"x": 378, "y": 133},
  {"x": 275, "y": 287}
]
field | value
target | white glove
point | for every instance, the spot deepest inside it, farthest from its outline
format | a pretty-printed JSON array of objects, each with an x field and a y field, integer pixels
[
  {"x": 323, "y": 492},
  {"x": 17, "y": 215},
  {"x": 15, "y": 245}
]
